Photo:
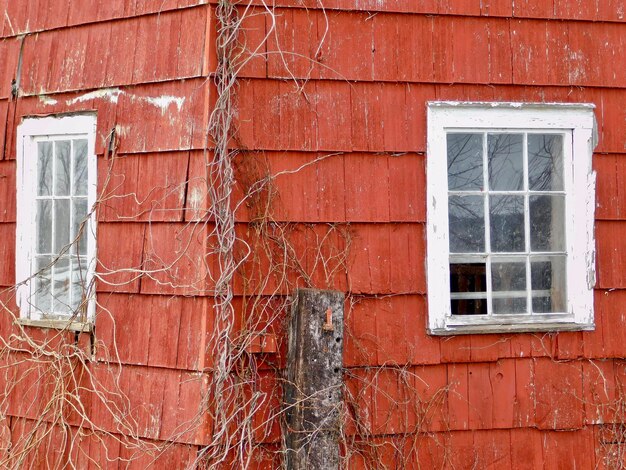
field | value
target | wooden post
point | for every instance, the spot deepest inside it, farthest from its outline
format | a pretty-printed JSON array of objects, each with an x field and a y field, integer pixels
[{"x": 313, "y": 393}]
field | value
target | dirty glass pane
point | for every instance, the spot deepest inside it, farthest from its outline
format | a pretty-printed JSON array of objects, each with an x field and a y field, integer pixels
[
  {"x": 509, "y": 277},
  {"x": 465, "y": 278},
  {"x": 80, "y": 167},
  {"x": 505, "y": 162},
  {"x": 62, "y": 224},
  {"x": 79, "y": 207},
  {"x": 548, "y": 278},
  {"x": 79, "y": 273},
  {"x": 547, "y": 223},
  {"x": 61, "y": 286},
  {"x": 468, "y": 306},
  {"x": 63, "y": 168},
  {"x": 44, "y": 168},
  {"x": 467, "y": 224},
  {"x": 507, "y": 223},
  {"x": 465, "y": 162},
  {"x": 42, "y": 296},
  {"x": 468, "y": 277},
  {"x": 44, "y": 226},
  {"x": 545, "y": 162}
]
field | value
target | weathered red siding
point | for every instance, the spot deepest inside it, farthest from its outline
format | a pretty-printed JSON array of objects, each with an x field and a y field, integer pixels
[{"x": 332, "y": 105}]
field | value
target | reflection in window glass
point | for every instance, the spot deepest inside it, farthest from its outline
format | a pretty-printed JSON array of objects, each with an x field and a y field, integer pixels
[
  {"x": 510, "y": 260},
  {"x": 61, "y": 211}
]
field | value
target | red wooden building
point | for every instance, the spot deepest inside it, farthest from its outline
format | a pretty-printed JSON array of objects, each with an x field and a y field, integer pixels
[{"x": 171, "y": 170}]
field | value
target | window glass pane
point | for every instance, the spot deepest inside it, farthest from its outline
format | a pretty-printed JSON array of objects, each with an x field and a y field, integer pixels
[
  {"x": 548, "y": 281},
  {"x": 505, "y": 162},
  {"x": 509, "y": 280},
  {"x": 465, "y": 161},
  {"x": 44, "y": 226},
  {"x": 42, "y": 297},
  {"x": 62, "y": 224},
  {"x": 468, "y": 278},
  {"x": 507, "y": 223},
  {"x": 79, "y": 207},
  {"x": 467, "y": 224},
  {"x": 61, "y": 286},
  {"x": 545, "y": 162},
  {"x": 62, "y": 169},
  {"x": 80, "y": 167},
  {"x": 547, "y": 223},
  {"x": 79, "y": 274},
  {"x": 468, "y": 306},
  {"x": 44, "y": 168}
]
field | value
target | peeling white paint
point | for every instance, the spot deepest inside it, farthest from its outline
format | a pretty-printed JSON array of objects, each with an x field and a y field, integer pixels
[
  {"x": 113, "y": 94},
  {"x": 109, "y": 94},
  {"x": 164, "y": 102},
  {"x": 47, "y": 100}
]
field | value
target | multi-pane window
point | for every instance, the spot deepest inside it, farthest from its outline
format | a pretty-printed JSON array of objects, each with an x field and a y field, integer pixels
[
  {"x": 56, "y": 232},
  {"x": 510, "y": 194}
]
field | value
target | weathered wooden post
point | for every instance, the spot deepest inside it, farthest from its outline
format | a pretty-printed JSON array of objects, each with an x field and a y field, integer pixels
[{"x": 313, "y": 393}]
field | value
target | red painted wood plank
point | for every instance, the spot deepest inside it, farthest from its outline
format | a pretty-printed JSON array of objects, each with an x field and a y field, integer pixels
[
  {"x": 123, "y": 324},
  {"x": 613, "y": 116},
  {"x": 470, "y": 40},
  {"x": 569, "y": 345},
  {"x": 611, "y": 179},
  {"x": 298, "y": 119},
  {"x": 266, "y": 420},
  {"x": 607, "y": 341},
  {"x": 7, "y": 254},
  {"x": 9, "y": 51},
  {"x": 120, "y": 264},
  {"x": 333, "y": 99},
  {"x": 367, "y": 188},
  {"x": 360, "y": 341},
  {"x": 176, "y": 259},
  {"x": 485, "y": 348},
  {"x": 430, "y": 383},
  {"x": 407, "y": 182},
  {"x": 600, "y": 395},
  {"x": 558, "y": 388},
  {"x": 403, "y": 47},
  {"x": 7, "y": 191},
  {"x": 358, "y": 398},
  {"x": 346, "y": 50},
  {"x": 492, "y": 449},
  {"x": 575, "y": 447},
  {"x": 526, "y": 449},
  {"x": 492, "y": 395},
  {"x": 292, "y": 48},
  {"x": 458, "y": 396},
  {"x": 524, "y": 405},
  {"x": 575, "y": 9},
  {"x": 92, "y": 56},
  {"x": 147, "y": 187},
  {"x": 395, "y": 407},
  {"x": 611, "y": 254},
  {"x": 533, "y": 9}
]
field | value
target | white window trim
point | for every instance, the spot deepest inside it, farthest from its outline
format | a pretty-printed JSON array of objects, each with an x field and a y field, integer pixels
[
  {"x": 28, "y": 131},
  {"x": 580, "y": 195}
]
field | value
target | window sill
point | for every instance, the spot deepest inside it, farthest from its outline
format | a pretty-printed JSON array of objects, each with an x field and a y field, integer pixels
[
  {"x": 547, "y": 327},
  {"x": 79, "y": 327}
]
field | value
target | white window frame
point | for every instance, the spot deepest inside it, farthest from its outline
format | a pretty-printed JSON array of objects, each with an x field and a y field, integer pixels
[
  {"x": 29, "y": 132},
  {"x": 576, "y": 120}
]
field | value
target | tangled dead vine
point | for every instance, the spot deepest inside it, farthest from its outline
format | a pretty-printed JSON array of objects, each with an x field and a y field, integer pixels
[{"x": 269, "y": 260}]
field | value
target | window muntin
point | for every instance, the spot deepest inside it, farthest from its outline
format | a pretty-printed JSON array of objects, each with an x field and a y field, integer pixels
[
  {"x": 506, "y": 219},
  {"x": 56, "y": 231},
  {"x": 510, "y": 217}
]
